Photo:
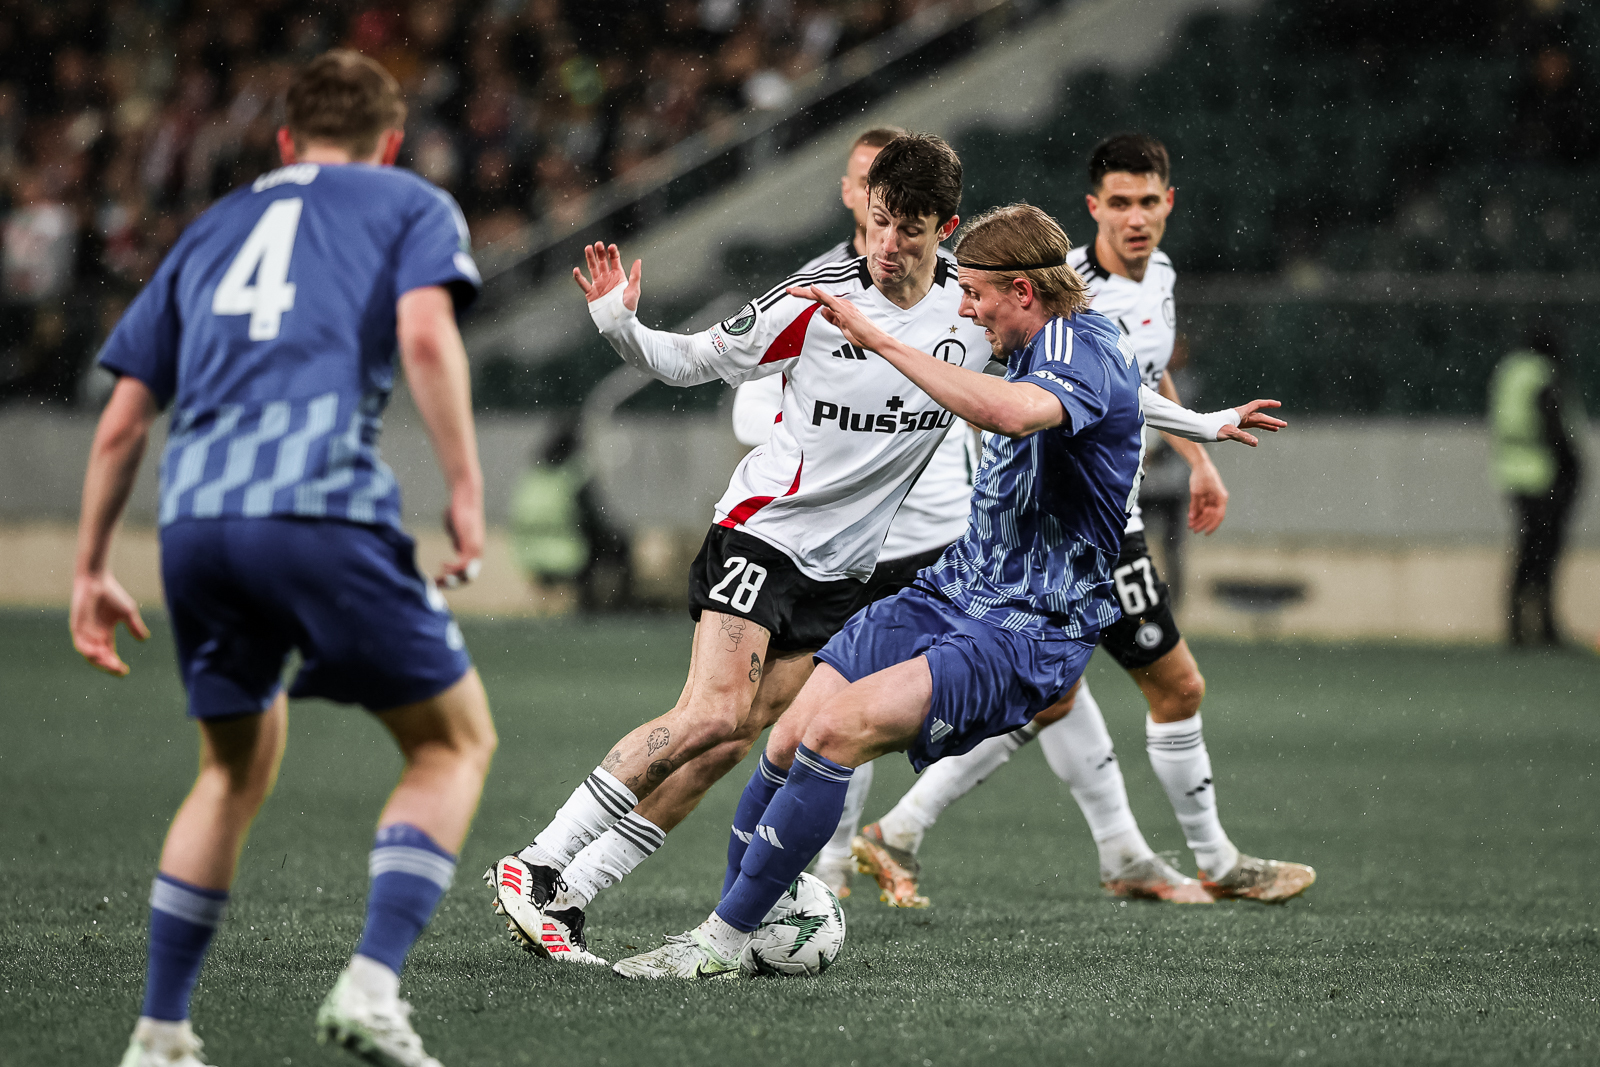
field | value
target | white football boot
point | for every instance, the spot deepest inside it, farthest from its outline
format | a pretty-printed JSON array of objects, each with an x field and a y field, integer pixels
[
  {"x": 687, "y": 955},
  {"x": 522, "y": 893},
  {"x": 163, "y": 1044},
  {"x": 378, "y": 1032}
]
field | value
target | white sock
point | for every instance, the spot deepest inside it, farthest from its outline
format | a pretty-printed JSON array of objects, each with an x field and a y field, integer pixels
[
  {"x": 837, "y": 850},
  {"x": 1179, "y": 758},
  {"x": 943, "y": 783},
  {"x": 164, "y": 1036},
  {"x": 608, "y": 859},
  {"x": 589, "y": 812},
  {"x": 1078, "y": 748},
  {"x": 375, "y": 980},
  {"x": 724, "y": 938}
]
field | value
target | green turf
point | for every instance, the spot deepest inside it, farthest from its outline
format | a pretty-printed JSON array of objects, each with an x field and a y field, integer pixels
[{"x": 1447, "y": 799}]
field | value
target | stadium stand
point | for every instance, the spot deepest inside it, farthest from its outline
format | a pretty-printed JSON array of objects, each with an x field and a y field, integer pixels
[{"x": 120, "y": 122}]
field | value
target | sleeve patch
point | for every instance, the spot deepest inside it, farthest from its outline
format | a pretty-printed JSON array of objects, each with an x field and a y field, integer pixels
[
  {"x": 1044, "y": 375},
  {"x": 741, "y": 323},
  {"x": 718, "y": 340}
]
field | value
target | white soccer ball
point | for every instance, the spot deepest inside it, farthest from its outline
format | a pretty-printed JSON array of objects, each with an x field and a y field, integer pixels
[{"x": 800, "y": 937}]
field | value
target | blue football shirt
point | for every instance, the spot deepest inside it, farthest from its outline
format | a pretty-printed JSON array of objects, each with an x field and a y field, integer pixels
[
  {"x": 270, "y": 329},
  {"x": 1048, "y": 510}
]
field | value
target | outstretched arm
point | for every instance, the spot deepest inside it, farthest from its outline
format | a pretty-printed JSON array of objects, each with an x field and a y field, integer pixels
[
  {"x": 1017, "y": 409},
  {"x": 98, "y": 600},
  {"x": 441, "y": 384},
  {"x": 613, "y": 298}
]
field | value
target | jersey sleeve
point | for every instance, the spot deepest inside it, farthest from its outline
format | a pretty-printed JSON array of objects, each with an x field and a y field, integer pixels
[
  {"x": 144, "y": 344},
  {"x": 755, "y": 342},
  {"x": 436, "y": 249},
  {"x": 1079, "y": 387}
]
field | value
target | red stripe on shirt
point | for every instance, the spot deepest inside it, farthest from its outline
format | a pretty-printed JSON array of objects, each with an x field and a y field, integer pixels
[
  {"x": 748, "y": 507},
  {"x": 792, "y": 339}
]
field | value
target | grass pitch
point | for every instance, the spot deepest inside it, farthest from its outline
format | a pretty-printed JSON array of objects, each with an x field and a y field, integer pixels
[{"x": 1446, "y": 798}]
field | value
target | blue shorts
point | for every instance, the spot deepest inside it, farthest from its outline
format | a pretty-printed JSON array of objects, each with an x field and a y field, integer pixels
[
  {"x": 243, "y": 592},
  {"x": 986, "y": 680}
]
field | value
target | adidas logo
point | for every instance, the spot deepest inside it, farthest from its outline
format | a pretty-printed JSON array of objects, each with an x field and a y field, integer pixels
[
  {"x": 742, "y": 836},
  {"x": 769, "y": 835},
  {"x": 939, "y": 731},
  {"x": 849, "y": 351},
  {"x": 511, "y": 878}
]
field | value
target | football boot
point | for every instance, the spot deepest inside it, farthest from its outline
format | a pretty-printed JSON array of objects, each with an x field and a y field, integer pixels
[
  {"x": 1153, "y": 878},
  {"x": 521, "y": 893},
  {"x": 376, "y": 1031},
  {"x": 162, "y": 1044},
  {"x": 1269, "y": 881},
  {"x": 894, "y": 869},
  {"x": 687, "y": 955}
]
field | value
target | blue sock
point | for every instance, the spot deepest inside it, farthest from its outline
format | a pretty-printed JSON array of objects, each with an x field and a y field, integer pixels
[
  {"x": 758, "y": 791},
  {"x": 793, "y": 829},
  {"x": 182, "y": 919},
  {"x": 410, "y": 872}
]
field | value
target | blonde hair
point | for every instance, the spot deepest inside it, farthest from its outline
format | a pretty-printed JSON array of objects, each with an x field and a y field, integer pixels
[{"x": 1021, "y": 241}]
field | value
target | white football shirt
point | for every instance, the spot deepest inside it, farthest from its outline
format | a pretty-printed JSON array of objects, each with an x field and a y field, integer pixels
[
  {"x": 1143, "y": 310},
  {"x": 935, "y": 512},
  {"x": 852, "y": 434}
]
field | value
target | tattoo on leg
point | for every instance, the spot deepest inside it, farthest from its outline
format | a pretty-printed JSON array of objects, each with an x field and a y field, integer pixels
[
  {"x": 734, "y": 628},
  {"x": 755, "y": 667},
  {"x": 659, "y": 738},
  {"x": 612, "y": 761},
  {"x": 659, "y": 770}
]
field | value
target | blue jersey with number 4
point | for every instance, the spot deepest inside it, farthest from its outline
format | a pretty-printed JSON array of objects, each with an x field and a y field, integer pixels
[{"x": 270, "y": 328}]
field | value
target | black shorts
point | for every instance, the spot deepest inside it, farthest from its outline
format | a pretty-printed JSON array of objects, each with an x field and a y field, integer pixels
[
  {"x": 1146, "y": 631},
  {"x": 741, "y": 575},
  {"x": 893, "y": 575}
]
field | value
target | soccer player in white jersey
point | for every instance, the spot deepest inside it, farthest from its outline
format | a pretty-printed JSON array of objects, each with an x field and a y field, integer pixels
[
  {"x": 1130, "y": 282},
  {"x": 1003, "y": 625},
  {"x": 797, "y": 534},
  {"x": 932, "y": 515}
]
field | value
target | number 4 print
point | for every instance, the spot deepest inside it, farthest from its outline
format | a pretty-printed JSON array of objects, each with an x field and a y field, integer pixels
[{"x": 265, "y": 256}]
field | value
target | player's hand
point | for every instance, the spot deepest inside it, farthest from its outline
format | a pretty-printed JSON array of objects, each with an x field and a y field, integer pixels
[
  {"x": 605, "y": 268},
  {"x": 851, "y": 320},
  {"x": 98, "y": 603},
  {"x": 463, "y": 521},
  {"x": 1208, "y": 499},
  {"x": 1251, "y": 418}
]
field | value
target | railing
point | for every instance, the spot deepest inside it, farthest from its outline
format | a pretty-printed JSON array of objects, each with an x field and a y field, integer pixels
[{"x": 750, "y": 141}]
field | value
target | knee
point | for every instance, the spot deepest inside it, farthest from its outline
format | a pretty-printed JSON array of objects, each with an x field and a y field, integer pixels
[
  {"x": 710, "y": 723},
  {"x": 1180, "y": 699},
  {"x": 839, "y": 738}
]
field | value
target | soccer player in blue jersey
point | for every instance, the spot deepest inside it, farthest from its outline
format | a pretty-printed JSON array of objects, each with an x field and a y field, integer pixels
[
  {"x": 1001, "y": 627},
  {"x": 271, "y": 330}
]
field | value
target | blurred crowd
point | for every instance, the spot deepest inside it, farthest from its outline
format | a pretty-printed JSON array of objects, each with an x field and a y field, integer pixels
[{"x": 120, "y": 120}]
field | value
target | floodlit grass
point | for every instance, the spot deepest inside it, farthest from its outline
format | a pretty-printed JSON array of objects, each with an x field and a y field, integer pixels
[{"x": 1446, "y": 798}]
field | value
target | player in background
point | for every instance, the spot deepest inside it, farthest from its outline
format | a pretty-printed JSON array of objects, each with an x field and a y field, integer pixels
[
  {"x": 932, "y": 515},
  {"x": 1130, "y": 281},
  {"x": 797, "y": 534},
  {"x": 1002, "y": 626},
  {"x": 271, "y": 328}
]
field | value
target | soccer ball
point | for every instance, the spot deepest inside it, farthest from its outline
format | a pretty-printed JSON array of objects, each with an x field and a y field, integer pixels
[{"x": 800, "y": 936}]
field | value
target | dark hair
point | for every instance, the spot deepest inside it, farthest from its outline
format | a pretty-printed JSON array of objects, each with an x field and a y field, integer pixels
[
  {"x": 877, "y": 137},
  {"x": 1135, "y": 153},
  {"x": 917, "y": 174},
  {"x": 344, "y": 98}
]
